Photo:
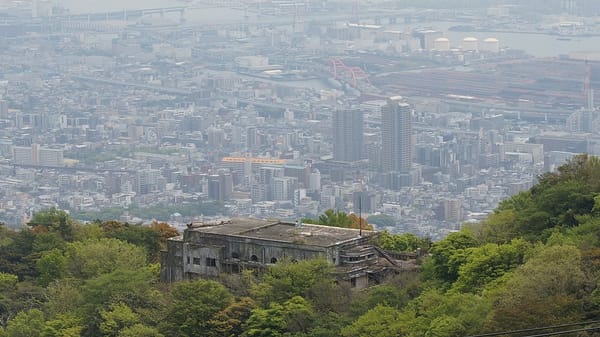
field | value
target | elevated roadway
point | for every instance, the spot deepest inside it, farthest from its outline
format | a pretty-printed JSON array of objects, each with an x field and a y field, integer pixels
[
  {"x": 123, "y": 14},
  {"x": 157, "y": 88},
  {"x": 73, "y": 169}
]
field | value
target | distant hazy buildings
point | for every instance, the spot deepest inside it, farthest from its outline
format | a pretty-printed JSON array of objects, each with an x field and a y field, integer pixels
[
  {"x": 148, "y": 181},
  {"x": 347, "y": 135},
  {"x": 580, "y": 7},
  {"x": 427, "y": 38},
  {"x": 3, "y": 109},
  {"x": 220, "y": 186},
  {"x": 36, "y": 155},
  {"x": 450, "y": 210}
]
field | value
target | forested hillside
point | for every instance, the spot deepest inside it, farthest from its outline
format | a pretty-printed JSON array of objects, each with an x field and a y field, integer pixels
[{"x": 534, "y": 262}]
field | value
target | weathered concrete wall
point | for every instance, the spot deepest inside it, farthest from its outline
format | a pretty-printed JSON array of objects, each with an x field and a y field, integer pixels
[
  {"x": 202, "y": 260},
  {"x": 171, "y": 262},
  {"x": 257, "y": 250}
]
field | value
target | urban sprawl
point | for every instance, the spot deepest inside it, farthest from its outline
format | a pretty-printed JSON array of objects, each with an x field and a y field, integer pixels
[{"x": 284, "y": 109}]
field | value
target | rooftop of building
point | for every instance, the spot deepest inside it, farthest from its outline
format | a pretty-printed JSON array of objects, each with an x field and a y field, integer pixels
[{"x": 274, "y": 230}]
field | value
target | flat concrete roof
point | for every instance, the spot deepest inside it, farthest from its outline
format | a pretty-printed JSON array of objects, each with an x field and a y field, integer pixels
[
  {"x": 306, "y": 234},
  {"x": 231, "y": 226}
]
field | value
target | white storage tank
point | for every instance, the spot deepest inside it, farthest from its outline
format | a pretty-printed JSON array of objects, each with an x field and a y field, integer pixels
[
  {"x": 491, "y": 45},
  {"x": 470, "y": 44},
  {"x": 428, "y": 38},
  {"x": 441, "y": 43}
]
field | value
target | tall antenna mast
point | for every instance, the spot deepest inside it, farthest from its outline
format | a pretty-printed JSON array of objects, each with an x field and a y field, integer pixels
[
  {"x": 360, "y": 215},
  {"x": 587, "y": 87}
]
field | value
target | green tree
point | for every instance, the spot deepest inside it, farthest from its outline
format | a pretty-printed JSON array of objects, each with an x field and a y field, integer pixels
[
  {"x": 500, "y": 227},
  {"x": 64, "y": 325},
  {"x": 406, "y": 242},
  {"x": 468, "y": 311},
  {"x": 582, "y": 168},
  {"x": 299, "y": 315},
  {"x": 331, "y": 218},
  {"x": 387, "y": 295},
  {"x": 141, "y": 236},
  {"x": 55, "y": 221},
  {"x": 140, "y": 330},
  {"x": 132, "y": 287},
  {"x": 52, "y": 265},
  {"x": 547, "y": 290},
  {"x": 327, "y": 295},
  {"x": 229, "y": 321},
  {"x": 585, "y": 236},
  {"x": 26, "y": 324},
  {"x": 91, "y": 258},
  {"x": 63, "y": 297},
  {"x": 116, "y": 318},
  {"x": 45, "y": 241},
  {"x": 18, "y": 258},
  {"x": 21, "y": 297},
  {"x": 293, "y": 316},
  {"x": 381, "y": 321},
  {"x": 5, "y": 235},
  {"x": 335, "y": 219},
  {"x": 445, "y": 326},
  {"x": 489, "y": 262},
  {"x": 194, "y": 305},
  {"x": 563, "y": 202},
  {"x": 328, "y": 324},
  {"x": 8, "y": 282},
  {"x": 448, "y": 255},
  {"x": 267, "y": 322},
  {"x": 128, "y": 286},
  {"x": 90, "y": 231},
  {"x": 288, "y": 279}
]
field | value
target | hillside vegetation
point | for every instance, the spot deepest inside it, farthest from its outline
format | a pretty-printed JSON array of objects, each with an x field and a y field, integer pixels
[{"x": 534, "y": 262}]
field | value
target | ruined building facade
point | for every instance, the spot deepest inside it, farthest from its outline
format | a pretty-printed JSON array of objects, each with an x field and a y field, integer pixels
[{"x": 209, "y": 249}]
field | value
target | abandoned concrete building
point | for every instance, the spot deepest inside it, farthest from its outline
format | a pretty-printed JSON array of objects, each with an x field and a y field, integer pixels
[{"x": 208, "y": 249}]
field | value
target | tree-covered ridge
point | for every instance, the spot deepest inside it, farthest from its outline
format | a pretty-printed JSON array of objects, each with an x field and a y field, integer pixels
[
  {"x": 560, "y": 200},
  {"x": 533, "y": 262}
]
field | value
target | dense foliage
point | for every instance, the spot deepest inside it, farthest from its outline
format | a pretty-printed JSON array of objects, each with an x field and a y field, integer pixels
[
  {"x": 339, "y": 219},
  {"x": 533, "y": 262}
]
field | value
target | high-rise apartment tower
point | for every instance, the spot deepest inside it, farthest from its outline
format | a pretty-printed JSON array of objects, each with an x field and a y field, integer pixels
[
  {"x": 347, "y": 134},
  {"x": 396, "y": 132}
]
